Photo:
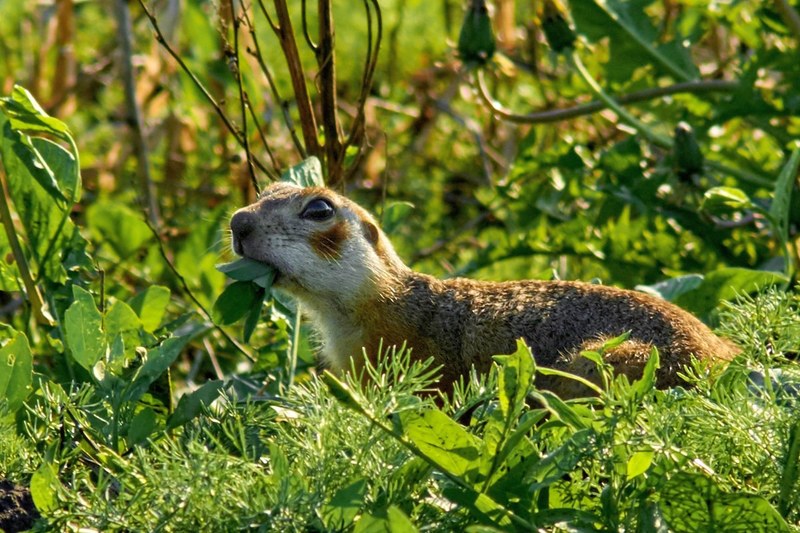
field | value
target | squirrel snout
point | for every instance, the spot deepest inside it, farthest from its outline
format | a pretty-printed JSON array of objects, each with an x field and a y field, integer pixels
[{"x": 242, "y": 225}]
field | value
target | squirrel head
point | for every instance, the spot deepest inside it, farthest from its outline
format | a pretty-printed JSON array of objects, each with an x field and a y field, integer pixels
[{"x": 320, "y": 243}]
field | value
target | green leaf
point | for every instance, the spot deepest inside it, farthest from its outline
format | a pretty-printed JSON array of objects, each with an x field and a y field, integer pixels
[
  {"x": 669, "y": 289},
  {"x": 157, "y": 361},
  {"x": 19, "y": 151},
  {"x": 638, "y": 463},
  {"x": 693, "y": 502},
  {"x": 726, "y": 284},
  {"x": 338, "y": 514},
  {"x": 235, "y": 302},
  {"x": 25, "y": 114},
  {"x": 782, "y": 196},
  {"x": 392, "y": 520},
  {"x": 190, "y": 405},
  {"x": 84, "y": 329},
  {"x": 141, "y": 426},
  {"x": 394, "y": 215},
  {"x": 648, "y": 380},
  {"x": 481, "y": 506},
  {"x": 440, "y": 439},
  {"x": 560, "y": 409},
  {"x": 63, "y": 166},
  {"x": 633, "y": 38},
  {"x": 44, "y": 488},
  {"x": 16, "y": 372},
  {"x": 118, "y": 226},
  {"x": 725, "y": 199},
  {"x": 254, "y": 315},
  {"x": 53, "y": 239},
  {"x": 246, "y": 269},
  {"x": 308, "y": 173},
  {"x": 150, "y": 305},
  {"x": 515, "y": 379},
  {"x": 121, "y": 318}
]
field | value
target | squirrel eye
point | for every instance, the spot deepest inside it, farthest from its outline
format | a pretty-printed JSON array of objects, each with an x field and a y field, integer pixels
[{"x": 319, "y": 210}]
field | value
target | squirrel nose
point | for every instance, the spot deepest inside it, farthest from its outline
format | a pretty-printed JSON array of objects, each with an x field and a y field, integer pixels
[{"x": 242, "y": 225}]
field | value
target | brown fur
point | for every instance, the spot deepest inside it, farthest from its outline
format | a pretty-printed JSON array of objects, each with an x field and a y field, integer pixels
[
  {"x": 461, "y": 322},
  {"x": 328, "y": 244}
]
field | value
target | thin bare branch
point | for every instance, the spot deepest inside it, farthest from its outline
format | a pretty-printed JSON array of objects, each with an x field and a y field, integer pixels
[
  {"x": 327, "y": 89},
  {"x": 32, "y": 290},
  {"x": 285, "y": 33},
  {"x": 134, "y": 113},
  {"x": 220, "y": 112},
  {"x": 370, "y": 64},
  {"x": 273, "y": 175},
  {"x": 235, "y": 66},
  {"x": 556, "y": 115},
  {"x": 306, "y": 33},
  {"x": 287, "y": 117}
]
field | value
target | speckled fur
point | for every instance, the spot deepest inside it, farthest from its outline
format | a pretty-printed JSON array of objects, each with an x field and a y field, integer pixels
[{"x": 358, "y": 293}]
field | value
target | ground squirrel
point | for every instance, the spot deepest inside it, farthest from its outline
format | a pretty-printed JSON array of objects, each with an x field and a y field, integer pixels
[{"x": 331, "y": 255}]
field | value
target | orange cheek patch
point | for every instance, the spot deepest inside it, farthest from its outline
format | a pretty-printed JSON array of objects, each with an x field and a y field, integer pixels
[{"x": 328, "y": 244}]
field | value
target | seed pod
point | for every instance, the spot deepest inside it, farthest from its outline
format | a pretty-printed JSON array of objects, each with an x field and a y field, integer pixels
[
  {"x": 476, "y": 40},
  {"x": 557, "y": 30},
  {"x": 688, "y": 159}
]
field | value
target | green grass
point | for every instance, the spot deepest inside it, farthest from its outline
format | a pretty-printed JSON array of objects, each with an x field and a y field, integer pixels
[{"x": 354, "y": 455}]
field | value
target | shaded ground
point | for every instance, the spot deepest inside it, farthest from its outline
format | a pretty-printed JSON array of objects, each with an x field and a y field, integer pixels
[{"x": 17, "y": 512}]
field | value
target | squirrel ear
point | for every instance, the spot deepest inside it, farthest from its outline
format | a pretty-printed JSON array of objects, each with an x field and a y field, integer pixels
[{"x": 371, "y": 232}]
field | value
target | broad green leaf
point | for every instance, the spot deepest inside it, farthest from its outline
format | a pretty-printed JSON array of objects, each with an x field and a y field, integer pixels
[
  {"x": 669, "y": 289},
  {"x": 21, "y": 148},
  {"x": 726, "y": 284},
  {"x": 725, "y": 199},
  {"x": 254, "y": 315},
  {"x": 16, "y": 372},
  {"x": 550, "y": 468},
  {"x": 53, "y": 239},
  {"x": 791, "y": 464},
  {"x": 638, "y": 463},
  {"x": 44, "y": 486},
  {"x": 63, "y": 165},
  {"x": 633, "y": 38},
  {"x": 648, "y": 380},
  {"x": 308, "y": 173},
  {"x": 246, "y": 269},
  {"x": 441, "y": 440},
  {"x": 338, "y": 514},
  {"x": 141, "y": 426},
  {"x": 560, "y": 409},
  {"x": 83, "y": 323},
  {"x": 234, "y": 302},
  {"x": 190, "y": 405},
  {"x": 150, "y": 305},
  {"x": 393, "y": 520},
  {"x": 515, "y": 379},
  {"x": 122, "y": 327},
  {"x": 120, "y": 318},
  {"x": 157, "y": 361},
  {"x": 782, "y": 196},
  {"x": 25, "y": 114},
  {"x": 482, "y": 506},
  {"x": 118, "y": 226},
  {"x": 693, "y": 502}
]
